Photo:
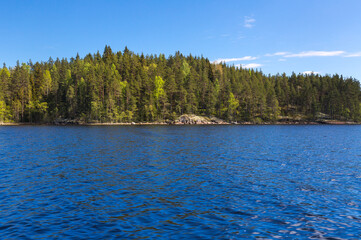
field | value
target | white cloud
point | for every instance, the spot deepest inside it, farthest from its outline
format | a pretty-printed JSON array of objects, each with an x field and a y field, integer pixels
[
  {"x": 316, "y": 54},
  {"x": 249, "y": 22},
  {"x": 282, "y": 60},
  {"x": 276, "y": 54},
  {"x": 310, "y": 72},
  {"x": 249, "y": 65},
  {"x": 225, "y": 60},
  {"x": 357, "y": 54}
]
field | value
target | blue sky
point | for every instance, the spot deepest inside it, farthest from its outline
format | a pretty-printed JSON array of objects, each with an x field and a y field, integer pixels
[{"x": 323, "y": 36}]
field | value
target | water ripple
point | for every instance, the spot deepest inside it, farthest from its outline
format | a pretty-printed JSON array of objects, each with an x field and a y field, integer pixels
[{"x": 176, "y": 182}]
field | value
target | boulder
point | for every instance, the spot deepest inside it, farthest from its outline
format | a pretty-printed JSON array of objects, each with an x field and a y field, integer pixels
[{"x": 194, "y": 119}]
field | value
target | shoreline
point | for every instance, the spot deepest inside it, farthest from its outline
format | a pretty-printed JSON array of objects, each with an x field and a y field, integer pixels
[{"x": 182, "y": 124}]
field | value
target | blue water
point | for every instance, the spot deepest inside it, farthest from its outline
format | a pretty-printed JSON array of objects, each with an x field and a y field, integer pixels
[{"x": 178, "y": 182}]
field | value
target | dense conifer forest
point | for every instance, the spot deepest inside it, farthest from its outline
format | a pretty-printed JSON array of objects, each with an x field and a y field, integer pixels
[{"x": 128, "y": 87}]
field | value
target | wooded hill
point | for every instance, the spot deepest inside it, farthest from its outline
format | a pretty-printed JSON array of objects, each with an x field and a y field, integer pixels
[{"x": 128, "y": 87}]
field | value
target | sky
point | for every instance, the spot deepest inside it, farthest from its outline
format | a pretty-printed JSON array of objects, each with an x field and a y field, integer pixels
[{"x": 275, "y": 36}]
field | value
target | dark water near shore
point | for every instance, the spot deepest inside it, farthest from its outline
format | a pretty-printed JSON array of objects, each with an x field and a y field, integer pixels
[{"x": 176, "y": 182}]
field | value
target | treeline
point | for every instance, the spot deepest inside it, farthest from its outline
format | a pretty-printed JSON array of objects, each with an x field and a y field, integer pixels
[{"x": 126, "y": 87}]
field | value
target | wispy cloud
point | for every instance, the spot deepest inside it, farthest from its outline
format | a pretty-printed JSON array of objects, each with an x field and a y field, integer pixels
[
  {"x": 249, "y": 65},
  {"x": 276, "y": 54},
  {"x": 310, "y": 72},
  {"x": 249, "y": 22},
  {"x": 285, "y": 56},
  {"x": 316, "y": 54},
  {"x": 225, "y": 60},
  {"x": 357, "y": 54}
]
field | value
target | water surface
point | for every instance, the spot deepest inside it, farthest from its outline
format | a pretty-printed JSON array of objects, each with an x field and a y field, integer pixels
[{"x": 176, "y": 182}]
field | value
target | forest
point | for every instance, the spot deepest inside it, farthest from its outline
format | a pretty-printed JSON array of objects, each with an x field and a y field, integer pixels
[{"x": 122, "y": 86}]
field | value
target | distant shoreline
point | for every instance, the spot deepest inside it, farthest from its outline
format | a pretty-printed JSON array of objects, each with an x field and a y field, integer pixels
[
  {"x": 189, "y": 119},
  {"x": 181, "y": 124}
]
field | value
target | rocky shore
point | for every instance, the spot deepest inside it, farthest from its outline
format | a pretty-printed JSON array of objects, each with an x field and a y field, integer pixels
[{"x": 189, "y": 119}]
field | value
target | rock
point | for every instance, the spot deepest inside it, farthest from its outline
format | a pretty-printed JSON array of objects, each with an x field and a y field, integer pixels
[
  {"x": 194, "y": 119},
  {"x": 217, "y": 120},
  {"x": 185, "y": 119}
]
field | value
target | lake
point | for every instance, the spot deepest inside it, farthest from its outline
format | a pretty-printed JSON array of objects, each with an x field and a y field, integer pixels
[{"x": 177, "y": 182}]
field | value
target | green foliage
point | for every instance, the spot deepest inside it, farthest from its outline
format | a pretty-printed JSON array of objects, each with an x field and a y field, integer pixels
[
  {"x": 125, "y": 87},
  {"x": 233, "y": 104},
  {"x": 37, "y": 110},
  {"x": 47, "y": 81},
  {"x": 158, "y": 88},
  {"x": 5, "y": 72},
  {"x": 4, "y": 112},
  {"x": 185, "y": 68}
]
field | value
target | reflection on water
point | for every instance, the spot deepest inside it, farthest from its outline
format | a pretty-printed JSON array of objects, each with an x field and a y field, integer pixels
[{"x": 174, "y": 182}]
